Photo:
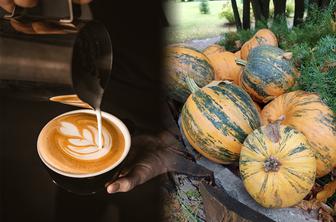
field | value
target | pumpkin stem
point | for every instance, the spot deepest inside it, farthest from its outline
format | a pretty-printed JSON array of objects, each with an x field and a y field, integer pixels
[
  {"x": 287, "y": 55},
  {"x": 260, "y": 40},
  {"x": 268, "y": 98},
  {"x": 278, "y": 120},
  {"x": 281, "y": 118},
  {"x": 272, "y": 164},
  {"x": 272, "y": 130},
  {"x": 241, "y": 62},
  {"x": 191, "y": 84}
]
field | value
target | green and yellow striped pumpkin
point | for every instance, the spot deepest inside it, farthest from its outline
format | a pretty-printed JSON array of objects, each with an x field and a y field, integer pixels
[
  {"x": 307, "y": 113},
  {"x": 277, "y": 166},
  {"x": 180, "y": 62},
  {"x": 217, "y": 118},
  {"x": 268, "y": 73}
]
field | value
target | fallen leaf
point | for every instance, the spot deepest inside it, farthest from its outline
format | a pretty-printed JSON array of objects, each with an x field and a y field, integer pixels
[
  {"x": 287, "y": 55},
  {"x": 333, "y": 172},
  {"x": 296, "y": 72},
  {"x": 328, "y": 190},
  {"x": 324, "y": 212},
  {"x": 326, "y": 208},
  {"x": 238, "y": 44},
  {"x": 333, "y": 25},
  {"x": 312, "y": 194},
  {"x": 327, "y": 66},
  {"x": 325, "y": 216},
  {"x": 309, "y": 205}
]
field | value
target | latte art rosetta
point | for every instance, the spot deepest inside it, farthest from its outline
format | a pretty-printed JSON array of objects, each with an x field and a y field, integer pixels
[
  {"x": 82, "y": 142},
  {"x": 69, "y": 143}
]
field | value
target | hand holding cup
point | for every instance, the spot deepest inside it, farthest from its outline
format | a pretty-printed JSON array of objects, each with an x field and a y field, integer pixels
[{"x": 34, "y": 27}]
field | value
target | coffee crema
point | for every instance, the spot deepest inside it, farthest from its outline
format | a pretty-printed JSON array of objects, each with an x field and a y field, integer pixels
[{"x": 69, "y": 143}]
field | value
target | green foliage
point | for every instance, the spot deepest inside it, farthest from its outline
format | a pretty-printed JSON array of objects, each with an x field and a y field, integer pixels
[
  {"x": 229, "y": 41},
  {"x": 289, "y": 10},
  {"x": 233, "y": 40},
  {"x": 228, "y": 15},
  {"x": 315, "y": 27},
  {"x": 245, "y": 35},
  {"x": 204, "y": 7},
  {"x": 318, "y": 69},
  {"x": 186, "y": 22},
  {"x": 314, "y": 50},
  {"x": 227, "y": 12}
]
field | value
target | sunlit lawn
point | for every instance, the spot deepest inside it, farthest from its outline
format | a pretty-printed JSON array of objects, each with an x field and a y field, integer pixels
[{"x": 186, "y": 21}]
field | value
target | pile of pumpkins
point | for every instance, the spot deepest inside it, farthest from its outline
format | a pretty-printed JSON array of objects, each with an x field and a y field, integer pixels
[{"x": 281, "y": 148}]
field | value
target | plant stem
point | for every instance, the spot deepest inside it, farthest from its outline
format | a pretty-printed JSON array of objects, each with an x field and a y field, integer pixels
[
  {"x": 191, "y": 84},
  {"x": 272, "y": 164},
  {"x": 241, "y": 62}
]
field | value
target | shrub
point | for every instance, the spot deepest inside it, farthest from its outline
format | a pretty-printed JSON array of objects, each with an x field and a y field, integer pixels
[
  {"x": 204, "y": 7},
  {"x": 228, "y": 15},
  {"x": 233, "y": 40}
]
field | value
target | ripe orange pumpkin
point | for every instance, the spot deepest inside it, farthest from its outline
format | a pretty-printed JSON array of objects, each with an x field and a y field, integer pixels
[
  {"x": 237, "y": 54},
  {"x": 277, "y": 165},
  {"x": 262, "y": 37},
  {"x": 224, "y": 64},
  {"x": 213, "y": 49},
  {"x": 307, "y": 113}
]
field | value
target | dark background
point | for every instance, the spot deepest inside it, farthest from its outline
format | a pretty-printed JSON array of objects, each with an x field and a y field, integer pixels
[
  {"x": 133, "y": 94},
  {"x": 27, "y": 191}
]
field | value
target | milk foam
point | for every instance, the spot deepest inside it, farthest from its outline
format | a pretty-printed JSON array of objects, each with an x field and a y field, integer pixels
[
  {"x": 84, "y": 144},
  {"x": 99, "y": 122}
]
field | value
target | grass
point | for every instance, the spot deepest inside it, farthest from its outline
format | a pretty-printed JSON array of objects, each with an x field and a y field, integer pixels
[{"x": 187, "y": 22}]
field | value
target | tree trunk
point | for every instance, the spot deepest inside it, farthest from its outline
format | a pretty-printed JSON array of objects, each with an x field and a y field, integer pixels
[
  {"x": 261, "y": 12},
  {"x": 312, "y": 3},
  {"x": 321, "y": 4},
  {"x": 324, "y": 4},
  {"x": 236, "y": 14},
  {"x": 279, "y": 8},
  {"x": 256, "y": 10},
  {"x": 299, "y": 12},
  {"x": 246, "y": 14},
  {"x": 265, "y": 9}
]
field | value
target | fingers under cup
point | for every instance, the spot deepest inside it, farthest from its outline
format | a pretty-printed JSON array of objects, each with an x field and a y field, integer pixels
[
  {"x": 7, "y": 5},
  {"x": 26, "y": 3},
  {"x": 21, "y": 27},
  {"x": 82, "y": 1},
  {"x": 45, "y": 28},
  {"x": 123, "y": 184}
]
